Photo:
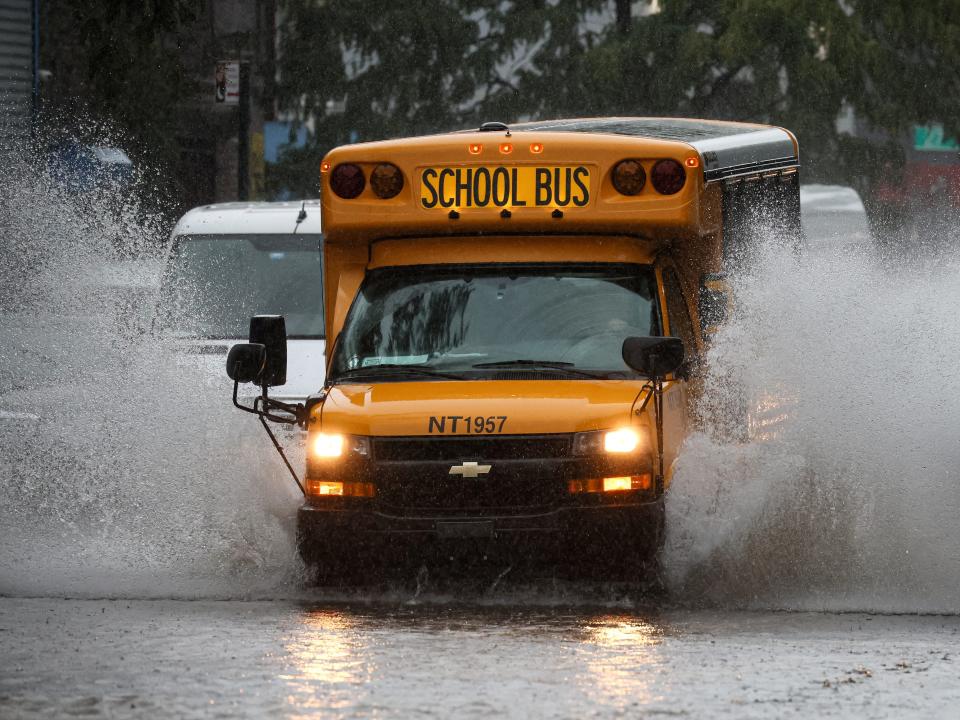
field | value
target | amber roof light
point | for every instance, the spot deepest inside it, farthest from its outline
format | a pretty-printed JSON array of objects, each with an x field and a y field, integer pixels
[
  {"x": 629, "y": 177},
  {"x": 386, "y": 180}
]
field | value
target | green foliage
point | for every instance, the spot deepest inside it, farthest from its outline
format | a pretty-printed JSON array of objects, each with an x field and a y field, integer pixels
[
  {"x": 408, "y": 69},
  {"x": 119, "y": 62},
  {"x": 297, "y": 173},
  {"x": 413, "y": 68}
]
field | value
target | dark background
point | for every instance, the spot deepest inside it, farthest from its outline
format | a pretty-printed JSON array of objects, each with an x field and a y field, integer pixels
[{"x": 853, "y": 79}]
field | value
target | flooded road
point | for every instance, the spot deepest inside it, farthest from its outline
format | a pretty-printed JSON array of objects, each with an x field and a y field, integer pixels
[
  {"x": 125, "y": 473},
  {"x": 126, "y": 658}
]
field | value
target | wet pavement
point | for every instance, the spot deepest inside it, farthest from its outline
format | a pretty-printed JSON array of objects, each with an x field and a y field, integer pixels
[
  {"x": 125, "y": 472},
  {"x": 162, "y": 658}
]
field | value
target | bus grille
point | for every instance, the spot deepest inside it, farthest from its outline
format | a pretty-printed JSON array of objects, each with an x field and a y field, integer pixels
[{"x": 456, "y": 449}]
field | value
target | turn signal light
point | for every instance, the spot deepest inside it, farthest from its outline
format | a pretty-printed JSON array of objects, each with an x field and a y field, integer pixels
[
  {"x": 668, "y": 177},
  {"x": 611, "y": 484},
  {"x": 321, "y": 487},
  {"x": 617, "y": 483},
  {"x": 339, "y": 489},
  {"x": 386, "y": 181},
  {"x": 629, "y": 177},
  {"x": 347, "y": 181},
  {"x": 631, "y": 482}
]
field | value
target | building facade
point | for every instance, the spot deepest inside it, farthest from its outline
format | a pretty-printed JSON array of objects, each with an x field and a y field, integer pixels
[{"x": 18, "y": 68}]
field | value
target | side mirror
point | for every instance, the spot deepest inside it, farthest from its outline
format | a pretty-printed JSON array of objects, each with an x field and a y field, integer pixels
[
  {"x": 713, "y": 301},
  {"x": 653, "y": 356},
  {"x": 271, "y": 332},
  {"x": 246, "y": 361}
]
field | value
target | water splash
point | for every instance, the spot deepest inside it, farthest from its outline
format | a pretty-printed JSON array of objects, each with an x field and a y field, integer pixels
[
  {"x": 124, "y": 470},
  {"x": 847, "y": 497}
]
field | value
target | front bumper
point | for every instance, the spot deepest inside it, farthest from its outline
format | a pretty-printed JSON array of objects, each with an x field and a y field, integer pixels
[
  {"x": 615, "y": 535},
  {"x": 528, "y": 503}
]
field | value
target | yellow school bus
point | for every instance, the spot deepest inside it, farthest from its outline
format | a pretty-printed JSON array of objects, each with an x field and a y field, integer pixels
[{"x": 515, "y": 316}]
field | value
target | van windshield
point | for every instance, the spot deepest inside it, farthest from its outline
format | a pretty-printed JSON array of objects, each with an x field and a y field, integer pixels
[
  {"x": 491, "y": 321},
  {"x": 213, "y": 284}
]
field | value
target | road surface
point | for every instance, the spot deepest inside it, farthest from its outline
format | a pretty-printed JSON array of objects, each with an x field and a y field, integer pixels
[{"x": 128, "y": 658}]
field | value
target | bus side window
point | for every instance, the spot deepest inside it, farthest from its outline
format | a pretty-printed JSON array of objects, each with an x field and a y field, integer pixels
[{"x": 678, "y": 312}]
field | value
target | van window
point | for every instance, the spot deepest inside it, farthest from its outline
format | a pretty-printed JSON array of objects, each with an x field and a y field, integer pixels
[
  {"x": 678, "y": 312},
  {"x": 213, "y": 284},
  {"x": 466, "y": 319}
]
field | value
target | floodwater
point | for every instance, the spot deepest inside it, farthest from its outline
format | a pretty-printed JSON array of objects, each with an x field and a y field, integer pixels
[
  {"x": 127, "y": 658},
  {"x": 147, "y": 563}
]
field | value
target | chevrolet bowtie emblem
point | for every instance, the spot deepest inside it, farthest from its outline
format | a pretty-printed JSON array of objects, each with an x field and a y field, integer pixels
[{"x": 470, "y": 469}]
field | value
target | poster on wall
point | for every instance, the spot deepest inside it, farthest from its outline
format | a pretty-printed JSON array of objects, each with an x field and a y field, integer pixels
[{"x": 227, "y": 82}]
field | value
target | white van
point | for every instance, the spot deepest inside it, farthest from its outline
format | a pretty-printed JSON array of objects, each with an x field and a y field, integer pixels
[{"x": 230, "y": 261}]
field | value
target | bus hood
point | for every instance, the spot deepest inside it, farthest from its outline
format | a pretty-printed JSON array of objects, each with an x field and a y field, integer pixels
[{"x": 508, "y": 407}]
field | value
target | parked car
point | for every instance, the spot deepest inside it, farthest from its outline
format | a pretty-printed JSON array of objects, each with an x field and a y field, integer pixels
[
  {"x": 81, "y": 168},
  {"x": 230, "y": 261}
]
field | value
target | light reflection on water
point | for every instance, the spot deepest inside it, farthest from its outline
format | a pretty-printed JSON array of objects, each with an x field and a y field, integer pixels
[
  {"x": 622, "y": 655},
  {"x": 134, "y": 659},
  {"x": 344, "y": 659},
  {"x": 330, "y": 663}
]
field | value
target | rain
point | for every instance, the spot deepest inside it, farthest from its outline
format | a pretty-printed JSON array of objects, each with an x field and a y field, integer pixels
[{"x": 616, "y": 373}]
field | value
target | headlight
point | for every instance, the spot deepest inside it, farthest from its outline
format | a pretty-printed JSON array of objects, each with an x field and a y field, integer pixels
[
  {"x": 334, "y": 445},
  {"x": 622, "y": 441}
]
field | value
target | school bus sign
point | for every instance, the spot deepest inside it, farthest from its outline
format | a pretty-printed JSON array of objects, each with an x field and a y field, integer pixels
[{"x": 502, "y": 186}]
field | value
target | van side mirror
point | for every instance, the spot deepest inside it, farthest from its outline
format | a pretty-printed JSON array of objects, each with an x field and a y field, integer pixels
[
  {"x": 245, "y": 362},
  {"x": 713, "y": 302},
  {"x": 654, "y": 357},
  {"x": 271, "y": 332}
]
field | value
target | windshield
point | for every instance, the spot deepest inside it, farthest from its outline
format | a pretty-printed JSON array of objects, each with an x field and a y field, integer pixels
[
  {"x": 213, "y": 284},
  {"x": 483, "y": 321}
]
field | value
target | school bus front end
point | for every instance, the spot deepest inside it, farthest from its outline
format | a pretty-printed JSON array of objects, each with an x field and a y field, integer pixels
[
  {"x": 508, "y": 314},
  {"x": 478, "y": 399},
  {"x": 511, "y": 480}
]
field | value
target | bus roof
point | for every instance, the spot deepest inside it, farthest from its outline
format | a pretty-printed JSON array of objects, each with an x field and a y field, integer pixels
[
  {"x": 683, "y": 129},
  {"x": 729, "y": 149}
]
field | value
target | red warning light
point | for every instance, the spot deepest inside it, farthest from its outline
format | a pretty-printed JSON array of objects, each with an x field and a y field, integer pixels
[
  {"x": 347, "y": 180},
  {"x": 668, "y": 177}
]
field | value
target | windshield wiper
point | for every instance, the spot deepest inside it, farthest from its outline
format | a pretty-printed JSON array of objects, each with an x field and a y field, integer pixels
[
  {"x": 566, "y": 367},
  {"x": 399, "y": 368}
]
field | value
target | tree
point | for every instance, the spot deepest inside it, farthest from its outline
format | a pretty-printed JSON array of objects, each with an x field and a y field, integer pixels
[
  {"x": 788, "y": 62},
  {"x": 117, "y": 69},
  {"x": 406, "y": 69}
]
